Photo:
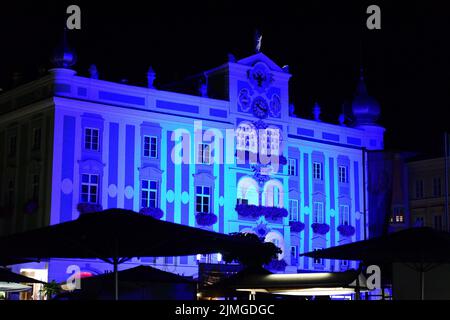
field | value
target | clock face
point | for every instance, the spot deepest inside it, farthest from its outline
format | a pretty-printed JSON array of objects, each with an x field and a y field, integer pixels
[
  {"x": 260, "y": 107},
  {"x": 275, "y": 106}
]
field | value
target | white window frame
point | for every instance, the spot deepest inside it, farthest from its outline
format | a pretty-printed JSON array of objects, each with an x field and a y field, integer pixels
[
  {"x": 318, "y": 213},
  {"x": 343, "y": 174},
  {"x": 148, "y": 152},
  {"x": 90, "y": 184},
  {"x": 202, "y": 156},
  {"x": 89, "y": 139},
  {"x": 317, "y": 170},
  {"x": 293, "y": 210},
  {"x": 151, "y": 194},
  {"x": 292, "y": 166},
  {"x": 205, "y": 199},
  {"x": 344, "y": 214}
]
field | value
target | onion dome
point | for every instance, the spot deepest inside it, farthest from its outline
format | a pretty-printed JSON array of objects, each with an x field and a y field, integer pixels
[
  {"x": 63, "y": 56},
  {"x": 365, "y": 109}
]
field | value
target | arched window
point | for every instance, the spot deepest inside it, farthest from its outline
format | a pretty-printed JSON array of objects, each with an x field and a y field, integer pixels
[
  {"x": 273, "y": 194},
  {"x": 246, "y": 137},
  {"x": 248, "y": 191},
  {"x": 270, "y": 141}
]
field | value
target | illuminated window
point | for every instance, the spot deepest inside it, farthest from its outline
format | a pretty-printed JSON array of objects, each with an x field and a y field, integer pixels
[
  {"x": 293, "y": 210},
  {"x": 35, "y": 187},
  {"x": 36, "y": 139},
  {"x": 437, "y": 187},
  {"x": 343, "y": 178},
  {"x": 202, "y": 199},
  {"x": 420, "y": 221},
  {"x": 292, "y": 167},
  {"x": 344, "y": 264},
  {"x": 91, "y": 139},
  {"x": 344, "y": 215},
  {"x": 149, "y": 194},
  {"x": 12, "y": 148},
  {"x": 204, "y": 153},
  {"x": 317, "y": 170},
  {"x": 89, "y": 188},
  {"x": 150, "y": 146},
  {"x": 398, "y": 215},
  {"x": 419, "y": 189},
  {"x": 318, "y": 215}
]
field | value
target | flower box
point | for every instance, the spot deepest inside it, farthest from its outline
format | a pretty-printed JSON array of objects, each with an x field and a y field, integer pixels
[
  {"x": 346, "y": 230},
  {"x": 250, "y": 210},
  {"x": 205, "y": 218},
  {"x": 84, "y": 208},
  {"x": 320, "y": 228},
  {"x": 156, "y": 213},
  {"x": 296, "y": 226}
]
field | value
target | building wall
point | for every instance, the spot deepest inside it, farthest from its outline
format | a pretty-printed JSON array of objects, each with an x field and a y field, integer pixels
[{"x": 123, "y": 115}]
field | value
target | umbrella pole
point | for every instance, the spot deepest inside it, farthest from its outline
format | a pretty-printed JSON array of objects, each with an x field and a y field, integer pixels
[
  {"x": 116, "y": 280},
  {"x": 422, "y": 284}
]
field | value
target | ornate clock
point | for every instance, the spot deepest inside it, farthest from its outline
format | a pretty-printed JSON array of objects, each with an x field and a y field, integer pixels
[
  {"x": 275, "y": 106},
  {"x": 260, "y": 108}
]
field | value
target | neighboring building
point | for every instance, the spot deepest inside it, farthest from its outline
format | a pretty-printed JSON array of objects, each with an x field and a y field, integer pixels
[
  {"x": 427, "y": 192},
  {"x": 69, "y": 142}
]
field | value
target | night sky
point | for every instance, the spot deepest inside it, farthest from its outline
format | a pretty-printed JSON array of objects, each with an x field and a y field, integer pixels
[{"x": 407, "y": 62}]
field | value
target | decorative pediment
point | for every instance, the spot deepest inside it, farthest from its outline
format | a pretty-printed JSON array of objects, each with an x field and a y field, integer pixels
[
  {"x": 204, "y": 178},
  {"x": 91, "y": 165},
  {"x": 150, "y": 172},
  {"x": 261, "y": 58}
]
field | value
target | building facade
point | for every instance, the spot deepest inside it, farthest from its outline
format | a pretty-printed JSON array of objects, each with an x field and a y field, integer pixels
[{"x": 232, "y": 158}]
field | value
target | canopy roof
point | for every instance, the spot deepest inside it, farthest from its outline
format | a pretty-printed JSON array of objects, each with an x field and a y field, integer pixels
[
  {"x": 415, "y": 245},
  {"x": 117, "y": 233},
  {"x": 9, "y": 276}
]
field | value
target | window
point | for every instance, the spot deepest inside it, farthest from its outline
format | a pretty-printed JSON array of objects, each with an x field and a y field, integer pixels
[
  {"x": 294, "y": 255},
  {"x": 203, "y": 153},
  {"x": 292, "y": 167},
  {"x": 344, "y": 215},
  {"x": 437, "y": 187},
  {"x": 35, "y": 187},
  {"x": 318, "y": 216},
  {"x": 89, "y": 188},
  {"x": 438, "y": 222},
  {"x": 91, "y": 139},
  {"x": 318, "y": 260},
  {"x": 11, "y": 193},
  {"x": 293, "y": 210},
  {"x": 420, "y": 221},
  {"x": 12, "y": 148},
  {"x": 398, "y": 215},
  {"x": 268, "y": 142},
  {"x": 202, "y": 199},
  {"x": 317, "y": 170},
  {"x": 419, "y": 189},
  {"x": 150, "y": 146},
  {"x": 242, "y": 201},
  {"x": 342, "y": 171},
  {"x": 344, "y": 264},
  {"x": 36, "y": 142},
  {"x": 149, "y": 194}
]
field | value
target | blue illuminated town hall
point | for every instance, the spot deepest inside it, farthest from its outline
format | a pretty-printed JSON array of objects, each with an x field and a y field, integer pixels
[{"x": 224, "y": 152}]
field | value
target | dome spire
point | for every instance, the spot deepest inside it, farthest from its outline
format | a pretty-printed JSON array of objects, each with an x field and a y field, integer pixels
[
  {"x": 63, "y": 56},
  {"x": 365, "y": 108}
]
